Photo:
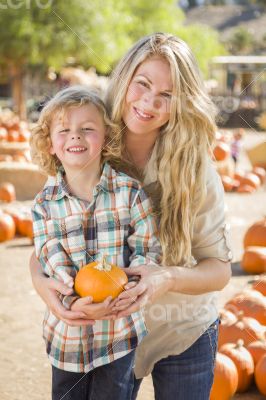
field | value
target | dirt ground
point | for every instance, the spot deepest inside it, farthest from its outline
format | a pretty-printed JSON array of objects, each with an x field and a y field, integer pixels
[{"x": 24, "y": 370}]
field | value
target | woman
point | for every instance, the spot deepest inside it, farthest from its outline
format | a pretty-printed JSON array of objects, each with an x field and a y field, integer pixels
[{"x": 166, "y": 126}]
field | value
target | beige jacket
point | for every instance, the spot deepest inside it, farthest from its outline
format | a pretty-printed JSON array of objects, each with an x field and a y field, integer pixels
[{"x": 175, "y": 321}]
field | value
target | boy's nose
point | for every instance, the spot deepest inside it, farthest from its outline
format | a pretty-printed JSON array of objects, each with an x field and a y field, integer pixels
[{"x": 75, "y": 134}]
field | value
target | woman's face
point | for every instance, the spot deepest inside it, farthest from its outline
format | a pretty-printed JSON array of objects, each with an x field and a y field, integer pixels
[{"x": 147, "y": 104}]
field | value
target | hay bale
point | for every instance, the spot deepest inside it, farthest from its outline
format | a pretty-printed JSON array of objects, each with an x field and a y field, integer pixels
[{"x": 26, "y": 178}]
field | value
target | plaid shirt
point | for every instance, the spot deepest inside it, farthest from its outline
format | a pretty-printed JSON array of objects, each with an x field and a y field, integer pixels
[{"x": 68, "y": 234}]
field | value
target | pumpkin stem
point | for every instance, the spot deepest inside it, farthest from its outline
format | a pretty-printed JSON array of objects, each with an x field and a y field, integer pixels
[
  {"x": 239, "y": 343},
  {"x": 103, "y": 265}
]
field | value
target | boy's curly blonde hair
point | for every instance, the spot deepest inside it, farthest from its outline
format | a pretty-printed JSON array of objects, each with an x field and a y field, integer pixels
[{"x": 40, "y": 141}]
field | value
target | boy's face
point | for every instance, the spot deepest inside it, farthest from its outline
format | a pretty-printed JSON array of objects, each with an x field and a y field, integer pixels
[{"x": 77, "y": 136}]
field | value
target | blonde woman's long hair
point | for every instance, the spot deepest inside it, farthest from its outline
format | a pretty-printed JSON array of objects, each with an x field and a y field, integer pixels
[{"x": 183, "y": 143}]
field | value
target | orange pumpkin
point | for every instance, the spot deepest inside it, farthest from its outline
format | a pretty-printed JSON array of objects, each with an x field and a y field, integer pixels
[
  {"x": 251, "y": 303},
  {"x": 227, "y": 317},
  {"x": 3, "y": 134},
  {"x": 25, "y": 226},
  {"x": 13, "y": 136},
  {"x": 242, "y": 188},
  {"x": 19, "y": 158},
  {"x": 256, "y": 234},
  {"x": 221, "y": 151},
  {"x": 260, "y": 373},
  {"x": 229, "y": 183},
  {"x": 24, "y": 135},
  {"x": 243, "y": 361},
  {"x": 16, "y": 218},
  {"x": 251, "y": 179},
  {"x": 100, "y": 280},
  {"x": 254, "y": 260},
  {"x": 259, "y": 284},
  {"x": 245, "y": 328},
  {"x": 225, "y": 378},
  {"x": 257, "y": 349},
  {"x": 239, "y": 176},
  {"x": 7, "y": 192},
  {"x": 7, "y": 227},
  {"x": 6, "y": 157},
  {"x": 261, "y": 173}
]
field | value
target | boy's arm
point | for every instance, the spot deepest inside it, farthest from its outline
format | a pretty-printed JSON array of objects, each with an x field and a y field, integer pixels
[
  {"x": 54, "y": 260},
  {"x": 143, "y": 240}
]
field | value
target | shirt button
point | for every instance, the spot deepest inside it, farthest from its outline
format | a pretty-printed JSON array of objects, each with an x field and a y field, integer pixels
[{"x": 230, "y": 254}]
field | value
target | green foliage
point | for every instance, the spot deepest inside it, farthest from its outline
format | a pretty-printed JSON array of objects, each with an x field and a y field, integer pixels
[
  {"x": 96, "y": 33},
  {"x": 241, "y": 41}
]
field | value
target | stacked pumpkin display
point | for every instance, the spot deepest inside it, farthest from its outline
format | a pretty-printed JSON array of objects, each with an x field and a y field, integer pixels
[
  {"x": 241, "y": 182},
  {"x": 14, "y": 138},
  {"x": 13, "y": 219},
  {"x": 244, "y": 182},
  {"x": 254, "y": 257},
  {"x": 241, "y": 356}
]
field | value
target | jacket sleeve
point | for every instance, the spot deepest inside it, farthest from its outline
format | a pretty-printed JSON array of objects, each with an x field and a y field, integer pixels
[
  {"x": 49, "y": 251},
  {"x": 210, "y": 235}
]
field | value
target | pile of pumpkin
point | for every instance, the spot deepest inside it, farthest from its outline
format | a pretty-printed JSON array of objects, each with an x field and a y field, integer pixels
[
  {"x": 244, "y": 182},
  {"x": 13, "y": 220},
  {"x": 254, "y": 257},
  {"x": 12, "y": 130},
  {"x": 241, "y": 356},
  {"x": 241, "y": 182}
]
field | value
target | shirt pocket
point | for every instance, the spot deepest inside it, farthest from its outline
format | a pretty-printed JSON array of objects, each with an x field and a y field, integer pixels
[
  {"x": 113, "y": 229},
  {"x": 70, "y": 233}
]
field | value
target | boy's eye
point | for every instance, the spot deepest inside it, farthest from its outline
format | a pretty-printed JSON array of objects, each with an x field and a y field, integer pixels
[
  {"x": 87, "y": 129},
  {"x": 64, "y": 131}
]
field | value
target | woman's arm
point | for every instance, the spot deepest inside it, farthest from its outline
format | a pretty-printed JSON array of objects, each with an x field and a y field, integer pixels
[
  {"x": 48, "y": 290},
  {"x": 209, "y": 275}
]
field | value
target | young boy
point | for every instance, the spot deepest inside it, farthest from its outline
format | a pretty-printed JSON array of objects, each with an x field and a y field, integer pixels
[{"x": 85, "y": 210}]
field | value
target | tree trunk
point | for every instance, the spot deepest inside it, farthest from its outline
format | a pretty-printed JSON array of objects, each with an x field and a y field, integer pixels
[{"x": 16, "y": 76}]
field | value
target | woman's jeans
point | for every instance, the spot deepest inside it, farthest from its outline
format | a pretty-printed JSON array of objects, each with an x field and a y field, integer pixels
[
  {"x": 189, "y": 375},
  {"x": 112, "y": 381}
]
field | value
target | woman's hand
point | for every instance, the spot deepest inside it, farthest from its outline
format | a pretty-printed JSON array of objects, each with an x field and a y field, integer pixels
[
  {"x": 154, "y": 282},
  {"x": 48, "y": 289}
]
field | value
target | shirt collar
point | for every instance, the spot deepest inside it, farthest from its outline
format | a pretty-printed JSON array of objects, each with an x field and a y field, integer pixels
[{"x": 58, "y": 188}]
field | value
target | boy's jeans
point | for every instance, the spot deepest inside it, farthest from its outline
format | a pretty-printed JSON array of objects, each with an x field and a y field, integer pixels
[
  {"x": 189, "y": 375},
  {"x": 114, "y": 381}
]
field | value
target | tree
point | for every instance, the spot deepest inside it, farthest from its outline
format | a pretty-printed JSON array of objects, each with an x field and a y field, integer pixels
[
  {"x": 93, "y": 33},
  {"x": 241, "y": 41}
]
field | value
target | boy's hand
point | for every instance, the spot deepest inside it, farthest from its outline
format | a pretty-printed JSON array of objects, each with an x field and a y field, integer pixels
[{"x": 94, "y": 310}]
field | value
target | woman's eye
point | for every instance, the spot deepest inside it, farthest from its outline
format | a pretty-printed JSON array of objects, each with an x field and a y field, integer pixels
[
  {"x": 167, "y": 95},
  {"x": 142, "y": 83}
]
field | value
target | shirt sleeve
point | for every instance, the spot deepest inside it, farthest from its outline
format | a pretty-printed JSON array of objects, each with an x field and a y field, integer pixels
[
  {"x": 210, "y": 235},
  {"x": 143, "y": 240},
  {"x": 54, "y": 260}
]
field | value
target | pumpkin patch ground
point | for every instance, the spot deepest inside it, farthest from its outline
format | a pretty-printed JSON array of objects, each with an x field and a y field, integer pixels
[{"x": 24, "y": 366}]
